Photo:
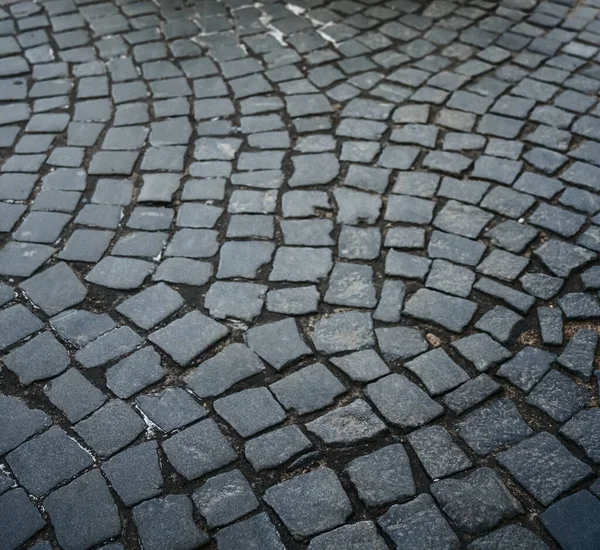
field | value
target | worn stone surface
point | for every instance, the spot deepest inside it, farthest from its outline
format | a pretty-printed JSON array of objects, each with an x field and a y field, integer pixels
[{"x": 262, "y": 240}]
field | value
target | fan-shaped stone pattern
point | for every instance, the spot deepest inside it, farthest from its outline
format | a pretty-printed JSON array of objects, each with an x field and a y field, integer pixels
[{"x": 244, "y": 248}]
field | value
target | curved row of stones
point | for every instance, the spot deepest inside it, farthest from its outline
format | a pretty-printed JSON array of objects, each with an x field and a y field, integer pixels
[{"x": 311, "y": 275}]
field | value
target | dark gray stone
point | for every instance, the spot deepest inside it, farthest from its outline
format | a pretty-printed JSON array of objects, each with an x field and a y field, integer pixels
[
  {"x": 170, "y": 409},
  {"x": 419, "y": 525},
  {"x": 448, "y": 311},
  {"x": 438, "y": 454},
  {"x": 346, "y": 425},
  {"x": 578, "y": 356},
  {"x": 492, "y": 426},
  {"x": 311, "y": 503},
  {"x": 167, "y": 523},
  {"x": 527, "y": 367},
  {"x": 544, "y": 467},
  {"x": 135, "y": 473},
  {"x": 250, "y": 411},
  {"x": 583, "y": 430},
  {"x": 41, "y": 357},
  {"x": 225, "y": 498},
  {"x": 348, "y": 331},
  {"x": 511, "y": 536},
  {"x": 356, "y": 536},
  {"x": 278, "y": 343},
  {"x": 19, "y": 518},
  {"x": 276, "y": 447},
  {"x": 257, "y": 532},
  {"x": 401, "y": 402},
  {"x": 476, "y": 502},
  {"x": 110, "y": 428},
  {"x": 199, "y": 449},
  {"x": 187, "y": 337},
  {"x": 83, "y": 512},
  {"x": 308, "y": 389},
  {"x": 471, "y": 393}
]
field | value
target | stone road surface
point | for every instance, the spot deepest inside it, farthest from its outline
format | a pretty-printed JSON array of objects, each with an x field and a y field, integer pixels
[{"x": 318, "y": 275}]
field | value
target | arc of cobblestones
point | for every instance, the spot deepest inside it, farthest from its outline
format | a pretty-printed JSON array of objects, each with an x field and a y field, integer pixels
[{"x": 315, "y": 276}]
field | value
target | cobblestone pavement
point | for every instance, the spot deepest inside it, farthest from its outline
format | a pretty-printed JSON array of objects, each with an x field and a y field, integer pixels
[{"x": 319, "y": 275}]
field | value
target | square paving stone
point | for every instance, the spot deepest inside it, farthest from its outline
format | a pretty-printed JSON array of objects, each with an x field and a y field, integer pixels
[
  {"x": 308, "y": 389},
  {"x": 578, "y": 356},
  {"x": 276, "y": 447},
  {"x": 492, "y": 426},
  {"x": 401, "y": 402},
  {"x": 362, "y": 366},
  {"x": 558, "y": 396},
  {"x": 407, "y": 209},
  {"x": 562, "y": 257},
  {"x": 135, "y": 473},
  {"x": 186, "y": 338},
  {"x": 527, "y": 367},
  {"x": 250, "y": 411},
  {"x": 23, "y": 259},
  {"x": 199, "y": 449},
  {"x": 346, "y": 425},
  {"x": 278, "y": 343},
  {"x": 355, "y": 536},
  {"x": 544, "y": 467},
  {"x": 481, "y": 350},
  {"x": 41, "y": 357},
  {"x": 17, "y": 322},
  {"x": 299, "y": 264},
  {"x": 437, "y": 371},
  {"x": 343, "y": 332},
  {"x": 151, "y": 306},
  {"x": 110, "y": 428},
  {"x": 234, "y": 363},
  {"x": 134, "y": 373},
  {"x": 256, "y": 532},
  {"x": 583, "y": 429},
  {"x": 450, "y": 278},
  {"x": 55, "y": 289},
  {"x": 86, "y": 245},
  {"x": 451, "y": 312},
  {"x": 311, "y": 503},
  {"x": 419, "y": 525},
  {"x": 438, "y": 454},
  {"x": 243, "y": 259},
  {"x": 47, "y": 460},
  {"x": 574, "y": 521},
  {"x": 511, "y": 536},
  {"x": 455, "y": 249},
  {"x": 225, "y": 498},
  {"x": 167, "y": 523},
  {"x": 462, "y": 219},
  {"x": 107, "y": 347},
  {"x": 503, "y": 265},
  {"x": 351, "y": 285},
  {"x": 171, "y": 408},
  {"x": 83, "y": 512},
  {"x": 501, "y": 323},
  {"x": 400, "y": 342},
  {"x": 120, "y": 273},
  {"x": 80, "y": 327},
  {"x": 293, "y": 301},
  {"x": 382, "y": 476},
  {"x": 18, "y": 422},
  {"x": 19, "y": 518},
  {"x": 471, "y": 393},
  {"x": 74, "y": 395},
  {"x": 403, "y": 264},
  {"x": 476, "y": 502}
]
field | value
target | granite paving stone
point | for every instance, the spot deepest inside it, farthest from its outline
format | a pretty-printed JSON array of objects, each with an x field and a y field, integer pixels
[
  {"x": 482, "y": 492},
  {"x": 377, "y": 228},
  {"x": 323, "y": 503},
  {"x": 544, "y": 467}
]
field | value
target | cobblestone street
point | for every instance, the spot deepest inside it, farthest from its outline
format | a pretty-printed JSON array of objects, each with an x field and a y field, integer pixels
[{"x": 305, "y": 276}]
